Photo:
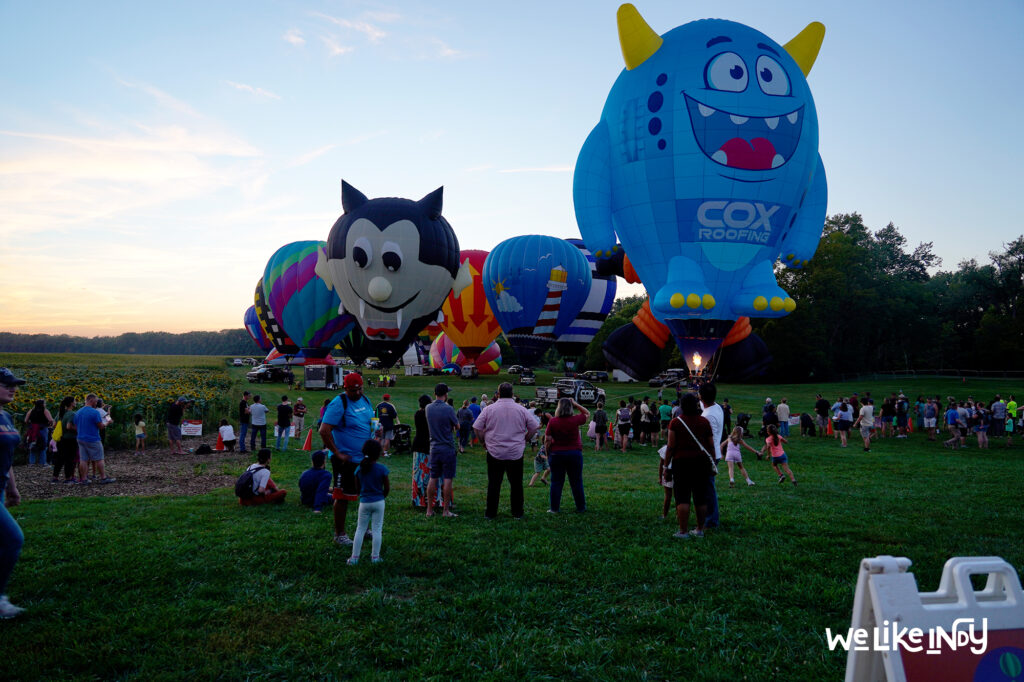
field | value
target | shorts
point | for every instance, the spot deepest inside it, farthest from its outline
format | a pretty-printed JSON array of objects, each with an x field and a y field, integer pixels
[
  {"x": 866, "y": 430},
  {"x": 997, "y": 427},
  {"x": 664, "y": 424},
  {"x": 782, "y": 459},
  {"x": 173, "y": 432},
  {"x": 140, "y": 436},
  {"x": 690, "y": 479},
  {"x": 442, "y": 465},
  {"x": 820, "y": 421},
  {"x": 540, "y": 465},
  {"x": 389, "y": 434},
  {"x": 929, "y": 422},
  {"x": 90, "y": 452},
  {"x": 843, "y": 424},
  {"x": 345, "y": 485},
  {"x": 901, "y": 421}
]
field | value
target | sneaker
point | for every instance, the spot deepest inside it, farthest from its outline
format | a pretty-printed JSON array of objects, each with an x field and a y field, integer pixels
[
  {"x": 782, "y": 478},
  {"x": 9, "y": 610},
  {"x": 343, "y": 540},
  {"x": 552, "y": 511},
  {"x": 54, "y": 480},
  {"x": 794, "y": 481},
  {"x": 732, "y": 484},
  {"x": 680, "y": 535},
  {"x": 376, "y": 560},
  {"x": 696, "y": 533},
  {"x": 71, "y": 481},
  {"x": 108, "y": 479},
  {"x": 749, "y": 482},
  {"x": 352, "y": 560}
]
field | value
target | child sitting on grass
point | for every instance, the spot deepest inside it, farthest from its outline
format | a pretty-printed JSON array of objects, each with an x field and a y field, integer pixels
[
  {"x": 374, "y": 486},
  {"x": 773, "y": 445}
]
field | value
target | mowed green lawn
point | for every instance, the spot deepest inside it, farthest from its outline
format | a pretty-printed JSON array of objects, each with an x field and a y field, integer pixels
[{"x": 197, "y": 587}]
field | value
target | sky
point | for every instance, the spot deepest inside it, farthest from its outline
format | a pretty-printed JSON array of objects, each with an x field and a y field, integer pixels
[{"x": 154, "y": 155}]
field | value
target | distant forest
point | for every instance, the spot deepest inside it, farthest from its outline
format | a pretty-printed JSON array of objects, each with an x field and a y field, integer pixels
[{"x": 225, "y": 342}]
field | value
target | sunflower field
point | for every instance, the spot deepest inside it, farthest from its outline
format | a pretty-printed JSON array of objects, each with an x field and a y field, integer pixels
[{"x": 128, "y": 387}]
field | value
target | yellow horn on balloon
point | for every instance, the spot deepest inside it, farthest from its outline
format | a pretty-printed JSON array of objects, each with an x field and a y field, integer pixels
[
  {"x": 804, "y": 47},
  {"x": 638, "y": 40}
]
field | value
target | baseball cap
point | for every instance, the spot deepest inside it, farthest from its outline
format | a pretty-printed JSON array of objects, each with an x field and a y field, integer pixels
[
  {"x": 387, "y": 396},
  {"x": 352, "y": 380},
  {"x": 441, "y": 389},
  {"x": 8, "y": 379},
  {"x": 182, "y": 399},
  {"x": 299, "y": 399}
]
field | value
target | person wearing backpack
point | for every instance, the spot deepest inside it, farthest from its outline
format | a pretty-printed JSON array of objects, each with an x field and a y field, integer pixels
[{"x": 255, "y": 487}]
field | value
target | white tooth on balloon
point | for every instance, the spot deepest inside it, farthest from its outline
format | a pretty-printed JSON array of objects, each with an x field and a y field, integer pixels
[
  {"x": 721, "y": 157},
  {"x": 341, "y": 308},
  {"x": 738, "y": 120},
  {"x": 772, "y": 122},
  {"x": 362, "y": 308},
  {"x": 398, "y": 317},
  {"x": 793, "y": 117},
  {"x": 778, "y": 161},
  {"x": 705, "y": 111}
]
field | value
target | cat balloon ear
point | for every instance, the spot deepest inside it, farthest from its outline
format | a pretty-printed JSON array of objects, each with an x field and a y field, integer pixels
[
  {"x": 432, "y": 203},
  {"x": 351, "y": 198}
]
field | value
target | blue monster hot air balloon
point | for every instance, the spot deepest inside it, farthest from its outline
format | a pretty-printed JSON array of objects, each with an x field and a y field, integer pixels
[
  {"x": 705, "y": 165},
  {"x": 255, "y": 329},
  {"x": 536, "y": 286},
  {"x": 302, "y": 304},
  {"x": 573, "y": 341}
]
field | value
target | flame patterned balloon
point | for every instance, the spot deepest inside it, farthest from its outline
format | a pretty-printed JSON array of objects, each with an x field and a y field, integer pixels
[{"x": 468, "y": 320}]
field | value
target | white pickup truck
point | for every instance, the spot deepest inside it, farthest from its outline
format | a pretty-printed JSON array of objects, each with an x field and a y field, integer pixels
[{"x": 583, "y": 392}]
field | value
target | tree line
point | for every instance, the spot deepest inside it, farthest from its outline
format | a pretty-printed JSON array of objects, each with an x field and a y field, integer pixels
[
  {"x": 867, "y": 303},
  {"x": 224, "y": 342}
]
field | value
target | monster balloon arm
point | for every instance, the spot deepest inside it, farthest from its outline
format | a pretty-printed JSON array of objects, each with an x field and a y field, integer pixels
[
  {"x": 800, "y": 243},
  {"x": 591, "y": 193},
  {"x": 463, "y": 279}
]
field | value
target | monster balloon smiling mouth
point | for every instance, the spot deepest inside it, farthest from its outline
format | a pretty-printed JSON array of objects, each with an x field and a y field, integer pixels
[{"x": 745, "y": 142}]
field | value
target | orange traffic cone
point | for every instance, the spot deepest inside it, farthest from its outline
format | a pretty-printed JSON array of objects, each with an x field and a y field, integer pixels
[
  {"x": 828, "y": 431},
  {"x": 219, "y": 447},
  {"x": 910, "y": 425},
  {"x": 309, "y": 441}
]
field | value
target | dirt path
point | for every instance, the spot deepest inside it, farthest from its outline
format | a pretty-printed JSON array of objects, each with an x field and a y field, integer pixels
[{"x": 157, "y": 472}]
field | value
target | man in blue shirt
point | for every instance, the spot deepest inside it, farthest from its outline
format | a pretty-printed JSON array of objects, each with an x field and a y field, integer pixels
[
  {"x": 954, "y": 423},
  {"x": 345, "y": 427},
  {"x": 442, "y": 422},
  {"x": 315, "y": 483},
  {"x": 88, "y": 422}
]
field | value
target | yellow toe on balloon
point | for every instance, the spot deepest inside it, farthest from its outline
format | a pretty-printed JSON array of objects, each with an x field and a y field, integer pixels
[
  {"x": 789, "y": 304},
  {"x": 776, "y": 303},
  {"x": 677, "y": 301},
  {"x": 693, "y": 300},
  {"x": 708, "y": 301},
  {"x": 790, "y": 257},
  {"x": 760, "y": 303}
]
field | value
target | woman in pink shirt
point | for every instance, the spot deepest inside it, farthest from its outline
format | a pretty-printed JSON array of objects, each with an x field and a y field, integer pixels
[{"x": 565, "y": 452}]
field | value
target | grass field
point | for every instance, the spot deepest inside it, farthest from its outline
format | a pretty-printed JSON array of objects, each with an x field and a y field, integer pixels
[{"x": 197, "y": 587}]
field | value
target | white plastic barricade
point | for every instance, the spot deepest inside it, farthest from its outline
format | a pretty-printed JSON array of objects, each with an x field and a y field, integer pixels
[{"x": 898, "y": 634}]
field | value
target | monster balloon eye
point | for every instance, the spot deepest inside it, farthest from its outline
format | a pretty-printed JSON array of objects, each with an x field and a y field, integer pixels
[
  {"x": 362, "y": 252},
  {"x": 771, "y": 76},
  {"x": 726, "y": 72},
  {"x": 391, "y": 256}
]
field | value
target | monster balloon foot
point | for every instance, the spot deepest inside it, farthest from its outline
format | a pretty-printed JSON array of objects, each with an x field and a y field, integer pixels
[
  {"x": 629, "y": 349},
  {"x": 764, "y": 303}
]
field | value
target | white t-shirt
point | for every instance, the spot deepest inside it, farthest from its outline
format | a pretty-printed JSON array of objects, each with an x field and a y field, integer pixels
[
  {"x": 260, "y": 478},
  {"x": 716, "y": 417},
  {"x": 867, "y": 415},
  {"x": 227, "y": 432}
]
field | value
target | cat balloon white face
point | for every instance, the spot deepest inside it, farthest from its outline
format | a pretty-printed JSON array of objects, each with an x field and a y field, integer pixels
[{"x": 393, "y": 262}]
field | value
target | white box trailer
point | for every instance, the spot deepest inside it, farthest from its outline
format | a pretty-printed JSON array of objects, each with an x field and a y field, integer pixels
[
  {"x": 327, "y": 377},
  {"x": 621, "y": 377}
]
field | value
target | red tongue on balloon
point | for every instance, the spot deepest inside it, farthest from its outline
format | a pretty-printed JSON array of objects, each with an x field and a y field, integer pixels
[{"x": 754, "y": 155}]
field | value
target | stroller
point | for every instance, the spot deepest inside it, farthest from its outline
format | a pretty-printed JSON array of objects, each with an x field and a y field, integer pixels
[{"x": 402, "y": 442}]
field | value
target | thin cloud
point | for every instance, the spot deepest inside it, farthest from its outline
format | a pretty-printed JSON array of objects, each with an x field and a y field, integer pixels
[
  {"x": 446, "y": 52},
  {"x": 253, "y": 90},
  {"x": 309, "y": 156},
  {"x": 539, "y": 169},
  {"x": 334, "y": 48},
  {"x": 294, "y": 36},
  {"x": 162, "y": 98},
  {"x": 372, "y": 33}
]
